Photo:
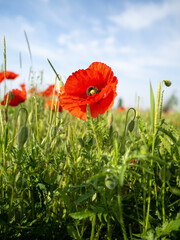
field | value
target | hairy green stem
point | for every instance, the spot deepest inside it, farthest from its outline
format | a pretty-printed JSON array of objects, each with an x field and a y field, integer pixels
[
  {"x": 93, "y": 227},
  {"x": 163, "y": 195},
  {"x": 121, "y": 220},
  {"x": 151, "y": 163}
]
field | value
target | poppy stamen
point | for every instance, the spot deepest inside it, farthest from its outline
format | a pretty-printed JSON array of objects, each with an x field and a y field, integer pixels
[{"x": 92, "y": 90}]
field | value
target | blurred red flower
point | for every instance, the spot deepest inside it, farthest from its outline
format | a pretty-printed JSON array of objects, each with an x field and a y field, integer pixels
[
  {"x": 52, "y": 103},
  {"x": 33, "y": 90},
  {"x": 121, "y": 109},
  {"x": 48, "y": 92},
  {"x": 9, "y": 75},
  {"x": 95, "y": 86},
  {"x": 15, "y": 97}
]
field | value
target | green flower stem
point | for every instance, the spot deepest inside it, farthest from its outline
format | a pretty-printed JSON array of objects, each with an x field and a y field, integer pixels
[
  {"x": 163, "y": 195},
  {"x": 151, "y": 163},
  {"x": 37, "y": 128},
  {"x": 93, "y": 227},
  {"x": 144, "y": 198},
  {"x": 57, "y": 76},
  {"x": 96, "y": 139},
  {"x": 121, "y": 220},
  {"x": 161, "y": 102},
  {"x": 50, "y": 118},
  {"x": 4, "y": 53},
  {"x": 157, "y": 109}
]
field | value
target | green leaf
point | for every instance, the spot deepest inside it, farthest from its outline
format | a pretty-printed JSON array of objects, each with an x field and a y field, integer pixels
[
  {"x": 42, "y": 187},
  {"x": 73, "y": 232},
  {"x": 173, "y": 225},
  {"x": 82, "y": 215},
  {"x": 85, "y": 196}
]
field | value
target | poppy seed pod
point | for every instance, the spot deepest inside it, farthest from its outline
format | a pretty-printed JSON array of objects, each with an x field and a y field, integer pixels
[{"x": 22, "y": 136}]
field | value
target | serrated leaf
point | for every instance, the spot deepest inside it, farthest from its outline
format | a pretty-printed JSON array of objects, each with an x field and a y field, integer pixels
[
  {"x": 85, "y": 196},
  {"x": 42, "y": 187},
  {"x": 72, "y": 232},
  {"x": 167, "y": 228}
]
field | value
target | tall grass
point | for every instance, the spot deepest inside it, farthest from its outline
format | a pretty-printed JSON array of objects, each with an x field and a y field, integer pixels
[{"x": 70, "y": 179}]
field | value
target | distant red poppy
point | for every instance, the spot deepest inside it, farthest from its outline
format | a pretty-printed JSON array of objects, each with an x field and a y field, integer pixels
[
  {"x": 95, "y": 86},
  {"x": 9, "y": 75},
  {"x": 133, "y": 161},
  {"x": 52, "y": 103},
  {"x": 32, "y": 90},
  {"x": 121, "y": 109},
  {"x": 48, "y": 92},
  {"x": 22, "y": 85},
  {"x": 15, "y": 97}
]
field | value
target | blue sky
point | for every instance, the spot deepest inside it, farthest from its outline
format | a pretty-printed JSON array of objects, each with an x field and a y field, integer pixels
[{"x": 139, "y": 40}]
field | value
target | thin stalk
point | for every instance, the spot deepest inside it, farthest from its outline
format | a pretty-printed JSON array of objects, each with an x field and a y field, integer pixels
[
  {"x": 121, "y": 220},
  {"x": 37, "y": 129},
  {"x": 108, "y": 229},
  {"x": 96, "y": 139},
  {"x": 163, "y": 195},
  {"x": 93, "y": 227},
  {"x": 28, "y": 46},
  {"x": 130, "y": 232},
  {"x": 50, "y": 118},
  {"x": 138, "y": 216},
  {"x": 55, "y": 72},
  {"x": 4, "y": 53},
  {"x": 161, "y": 102},
  {"x": 151, "y": 163}
]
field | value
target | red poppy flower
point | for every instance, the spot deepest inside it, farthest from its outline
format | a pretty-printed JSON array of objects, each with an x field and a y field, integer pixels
[
  {"x": 133, "y": 161},
  {"x": 9, "y": 75},
  {"x": 52, "y": 103},
  {"x": 95, "y": 86},
  {"x": 15, "y": 97},
  {"x": 49, "y": 91}
]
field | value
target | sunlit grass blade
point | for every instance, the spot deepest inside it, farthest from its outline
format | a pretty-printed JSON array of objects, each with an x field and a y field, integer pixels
[
  {"x": 28, "y": 45},
  {"x": 152, "y": 107},
  {"x": 4, "y": 53}
]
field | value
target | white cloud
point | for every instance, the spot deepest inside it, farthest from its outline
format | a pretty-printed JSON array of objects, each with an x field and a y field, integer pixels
[{"x": 139, "y": 16}]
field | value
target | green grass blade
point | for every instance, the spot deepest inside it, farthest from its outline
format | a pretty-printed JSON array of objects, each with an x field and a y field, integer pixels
[
  {"x": 152, "y": 107},
  {"x": 28, "y": 45}
]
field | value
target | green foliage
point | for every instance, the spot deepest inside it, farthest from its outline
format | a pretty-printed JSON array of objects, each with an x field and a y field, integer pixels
[{"x": 63, "y": 178}]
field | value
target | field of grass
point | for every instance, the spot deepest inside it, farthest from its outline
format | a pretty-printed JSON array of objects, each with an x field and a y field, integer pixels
[
  {"x": 113, "y": 177},
  {"x": 116, "y": 176}
]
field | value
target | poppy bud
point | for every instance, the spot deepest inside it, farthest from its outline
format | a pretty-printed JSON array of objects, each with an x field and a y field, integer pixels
[
  {"x": 130, "y": 126},
  {"x": 167, "y": 83},
  {"x": 22, "y": 136}
]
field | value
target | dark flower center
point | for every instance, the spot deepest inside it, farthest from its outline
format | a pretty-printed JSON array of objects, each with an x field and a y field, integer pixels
[{"x": 92, "y": 90}]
